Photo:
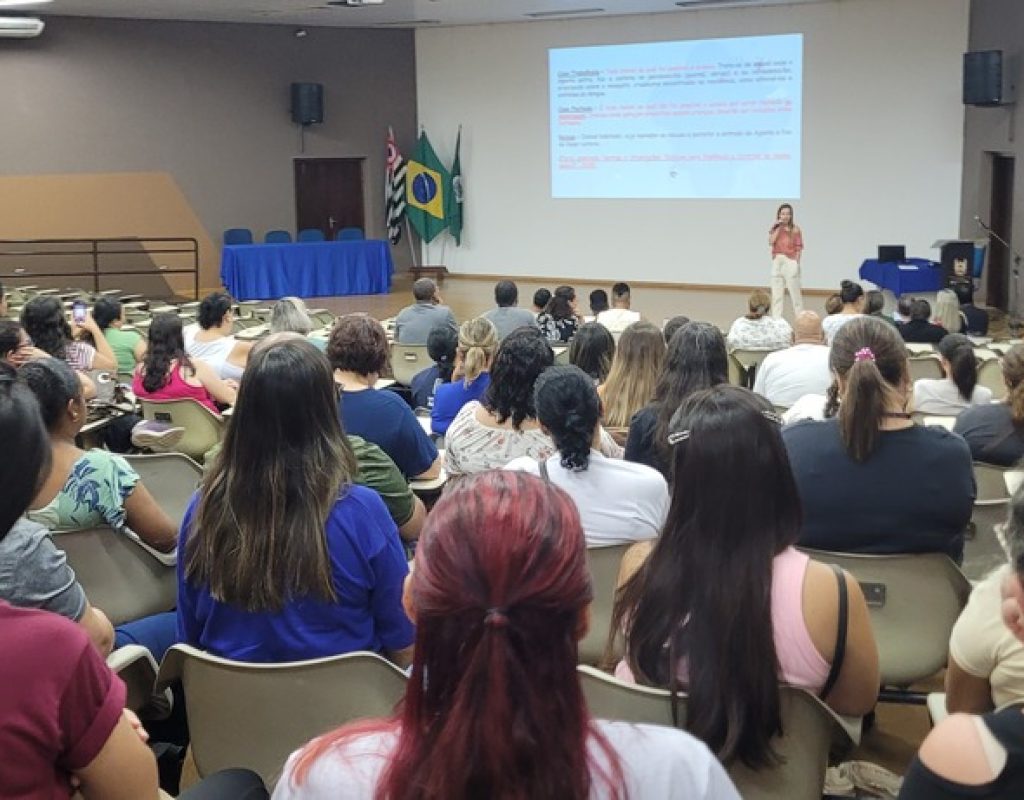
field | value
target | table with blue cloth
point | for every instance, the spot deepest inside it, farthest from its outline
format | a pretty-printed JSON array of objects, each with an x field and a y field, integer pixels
[
  {"x": 907, "y": 277},
  {"x": 306, "y": 269}
]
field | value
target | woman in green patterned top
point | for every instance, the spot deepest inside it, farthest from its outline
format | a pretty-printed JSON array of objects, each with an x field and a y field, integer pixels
[
  {"x": 128, "y": 346},
  {"x": 94, "y": 487}
]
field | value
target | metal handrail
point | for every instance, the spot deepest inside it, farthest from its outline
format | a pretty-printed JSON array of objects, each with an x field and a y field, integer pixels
[{"x": 93, "y": 249}]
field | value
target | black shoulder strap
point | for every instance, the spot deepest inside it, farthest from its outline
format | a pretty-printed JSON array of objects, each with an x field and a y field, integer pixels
[
  {"x": 841, "y": 630},
  {"x": 543, "y": 464}
]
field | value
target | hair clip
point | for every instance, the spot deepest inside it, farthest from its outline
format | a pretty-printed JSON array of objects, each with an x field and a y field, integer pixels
[
  {"x": 864, "y": 354},
  {"x": 678, "y": 436},
  {"x": 496, "y": 618},
  {"x": 771, "y": 416}
]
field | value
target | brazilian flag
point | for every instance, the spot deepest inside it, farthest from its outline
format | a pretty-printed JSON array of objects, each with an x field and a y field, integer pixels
[{"x": 427, "y": 183}]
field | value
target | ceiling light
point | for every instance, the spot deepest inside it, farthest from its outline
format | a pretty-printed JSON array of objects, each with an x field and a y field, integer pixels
[
  {"x": 16, "y": 3},
  {"x": 564, "y": 13}
]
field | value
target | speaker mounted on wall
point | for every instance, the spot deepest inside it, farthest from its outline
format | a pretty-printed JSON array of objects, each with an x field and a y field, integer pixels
[
  {"x": 987, "y": 79},
  {"x": 307, "y": 103}
]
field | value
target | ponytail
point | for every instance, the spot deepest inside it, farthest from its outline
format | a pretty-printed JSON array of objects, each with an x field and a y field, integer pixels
[
  {"x": 569, "y": 409},
  {"x": 478, "y": 340},
  {"x": 1013, "y": 375},
  {"x": 860, "y": 413},
  {"x": 963, "y": 368}
]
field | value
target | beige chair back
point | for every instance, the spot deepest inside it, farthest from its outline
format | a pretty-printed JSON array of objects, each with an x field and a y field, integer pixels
[
  {"x": 134, "y": 665},
  {"x": 991, "y": 483},
  {"x": 810, "y": 730},
  {"x": 203, "y": 429},
  {"x": 561, "y": 355},
  {"x": 604, "y": 563},
  {"x": 118, "y": 574},
  {"x": 914, "y": 600},
  {"x": 256, "y": 715},
  {"x": 924, "y": 367},
  {"x": 990, "y": 375},
  {"x": 407, "y": 360},
  {"x": 172, "y": 479}
]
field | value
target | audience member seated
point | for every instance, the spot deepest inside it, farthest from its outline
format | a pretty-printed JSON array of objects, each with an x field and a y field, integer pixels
[
  {"x": 619, "y": 502},
  {"x": 833, "y": 304},
  {"x": 995, "y": 432},
  {"x": 168, "y": 373},
  {"x": 852, "y": 296},
  {"x": 541, "y": 298},
  {"x": 213, "y": 342},
  {"x": 903, "y": 305},
  {"x": 414, "y": 323},
  {"x": 559, "y": 319},
  {"x": 500, "y": 596},
  {"x": 959, "y": 389},
  {"x": 735, "y": 514},
  {"x": 986, "y": 661},
  {"x": 508, "y": 316},
  {"x": 975, "y": 319},
  {"x": 442, "y": 345},
  {"x": 672, "y": 326},
  {"x": 921, "y": 329},
  {"x": 87, "y": 488},
  {"x": 489, "y": 433},
  {"x": 128, "y": 346},
  {"x": 16, "y": 348},
  {"x": 759, "y": 330},
  {"x": 787, "y": 375},
  {"x": 289, "y": 314},
  {"x": 639, "y": 356},
  {"x": 592, "y": 350},
  {"x": 478, "y": 341},
  {"x": 696, "y": 359},
  {"x": 47, "y": 326},
  {"x": 358, "y": 351},
  {"x": 874, "y": 306},
  {"x": 598, "y": 302},
  {"x": 872, "y": 481},
  {"x": 619, "y": 316},
  {"x": 281, "y": 557},
  {"x": 947, "y": 312},
  {"x": 968, "y": 756}
]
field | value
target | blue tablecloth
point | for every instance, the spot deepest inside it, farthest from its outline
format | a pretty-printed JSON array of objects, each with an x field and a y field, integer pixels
[
  {"x": 914, "y": 275},
  {"x": 306, "y": 269}
]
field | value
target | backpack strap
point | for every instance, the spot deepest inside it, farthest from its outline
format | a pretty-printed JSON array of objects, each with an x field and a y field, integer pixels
[{"x": 841, "y": 631}]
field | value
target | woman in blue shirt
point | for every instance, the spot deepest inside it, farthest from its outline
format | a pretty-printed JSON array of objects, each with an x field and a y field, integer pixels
[
  {"x": 478, "y": 340},
  {"x": 282, "y": 558}
]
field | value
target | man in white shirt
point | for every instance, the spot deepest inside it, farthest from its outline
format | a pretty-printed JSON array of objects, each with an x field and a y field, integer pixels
[
  {"x": 787, "y": 375},
  {"x": 617, "y": 318}
]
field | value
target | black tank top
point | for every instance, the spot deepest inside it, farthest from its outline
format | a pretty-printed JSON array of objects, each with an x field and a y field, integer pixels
[{"x": 1007, "y": 727}]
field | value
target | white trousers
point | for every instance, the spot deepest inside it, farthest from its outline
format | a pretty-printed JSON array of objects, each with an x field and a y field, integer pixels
[{"x": 785, "y": 275}]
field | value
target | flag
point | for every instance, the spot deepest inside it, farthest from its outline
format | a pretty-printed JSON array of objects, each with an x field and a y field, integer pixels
[
  {"x": 426, "y": 184},
  {"x": 394, "y": 189},
  {"x": 453, "y": 200}
]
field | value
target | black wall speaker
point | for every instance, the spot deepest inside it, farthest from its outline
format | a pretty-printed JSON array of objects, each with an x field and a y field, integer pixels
[
  {"x": 307, "y": 103},
  {"x": 983, "y": 78}
]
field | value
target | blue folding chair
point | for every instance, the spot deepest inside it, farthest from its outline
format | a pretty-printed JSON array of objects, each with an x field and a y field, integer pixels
[
  {"x": 350, "y": 235},
  {"x": 277, "y": 237},
  {"x": 238, "y": 236},
  {"x": 311, "y": 235}
]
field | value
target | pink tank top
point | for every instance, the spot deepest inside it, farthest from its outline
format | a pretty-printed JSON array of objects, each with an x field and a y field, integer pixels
[
  {"x": 800, "y": 663},
  {"x": 176, "y": 388}
]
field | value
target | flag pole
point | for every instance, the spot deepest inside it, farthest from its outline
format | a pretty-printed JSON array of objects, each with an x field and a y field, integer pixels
[{"x": 408, "y": 236}]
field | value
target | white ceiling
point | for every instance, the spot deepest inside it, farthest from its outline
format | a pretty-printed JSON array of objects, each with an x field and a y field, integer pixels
[{"x": 393, "y": 13}]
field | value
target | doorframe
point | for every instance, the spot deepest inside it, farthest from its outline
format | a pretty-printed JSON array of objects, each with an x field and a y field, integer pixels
[{"x": 362, "y": 160}]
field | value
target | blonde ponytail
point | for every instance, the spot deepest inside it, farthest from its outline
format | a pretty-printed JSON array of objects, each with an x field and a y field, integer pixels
[{"x": 478, "y": 340}]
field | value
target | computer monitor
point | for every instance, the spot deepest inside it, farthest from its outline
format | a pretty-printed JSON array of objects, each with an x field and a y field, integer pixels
[{"x": 892, "y": 253}]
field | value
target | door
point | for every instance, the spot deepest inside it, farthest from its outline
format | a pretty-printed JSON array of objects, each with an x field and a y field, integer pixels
[
  {"x": 997, "y": 285},
  {"x": 329, "y": 194}
]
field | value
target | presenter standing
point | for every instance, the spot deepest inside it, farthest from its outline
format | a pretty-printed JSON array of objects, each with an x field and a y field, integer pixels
[{"x": 787, "y": 243}]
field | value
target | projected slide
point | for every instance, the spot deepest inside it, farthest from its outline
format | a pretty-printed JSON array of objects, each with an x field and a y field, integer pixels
[{"x": 715, "y": 118}]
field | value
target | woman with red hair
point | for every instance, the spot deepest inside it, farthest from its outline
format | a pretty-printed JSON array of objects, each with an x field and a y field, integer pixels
[{"x": 500, "y": 596}]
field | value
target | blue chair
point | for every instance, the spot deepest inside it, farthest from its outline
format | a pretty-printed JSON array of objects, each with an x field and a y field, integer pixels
[
  {"x": 311, "y": 235},
  {"x": 277, "y": 237},
  {"x": 350, "y": 235},
  {"x": 238, "y": 236}
]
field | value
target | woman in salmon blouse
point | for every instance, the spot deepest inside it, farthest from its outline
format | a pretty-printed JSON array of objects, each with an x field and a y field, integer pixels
[{"x": 787, "y": 243}]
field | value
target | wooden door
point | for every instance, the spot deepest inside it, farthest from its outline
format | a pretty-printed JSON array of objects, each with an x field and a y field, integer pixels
[
  {"x": 997, "y": 284},
  {"x": 329, "y": 194}
]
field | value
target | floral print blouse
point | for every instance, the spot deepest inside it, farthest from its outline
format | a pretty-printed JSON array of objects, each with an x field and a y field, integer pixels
[{"x": 93, "y": 494}]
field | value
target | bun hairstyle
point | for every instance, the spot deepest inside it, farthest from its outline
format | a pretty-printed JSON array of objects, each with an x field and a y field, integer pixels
[
  {"x": 759, "y": 304},
  {"x": 874, "y": 302},
  {"x": 958, "y": 350},
  {"x": 850, "y": 292},
  {"x": 569, "y": 408},
  {"x": 442, "y": 344},
  {"x": 478, "y": 341},
  {"x": 1013, "y": 374},
  {"x": 870, "y": 359}
]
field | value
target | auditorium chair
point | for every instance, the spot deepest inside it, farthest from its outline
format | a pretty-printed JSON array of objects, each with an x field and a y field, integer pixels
[
  {"x": 810, "y": 731},
  {"x": 255, "y": 715},
  {"x": 604, "y": 563},
  {"x": 351, "y": 234},
  {"x": 992, "y": 485},
  {"x": 407, "y": 360},
  {"x": 203, "y": 428},
  {"x": 914, "y": 600},
  {"x": 321, "y": 317},
  {"x": 311, "y": 235},
  {"x": 561, "y": 355},
  {"x": 172, "y": 479},
  {"x": 748, "y": 362},
  {"x": 990, "y": 375},
  {"x": 120, "y": 575},
  {"x": 237, "y": 236},
  {"x": 277, "y": 237},
  {"x": 924, "y": 367},
  {"x": 134, "y": 665}
]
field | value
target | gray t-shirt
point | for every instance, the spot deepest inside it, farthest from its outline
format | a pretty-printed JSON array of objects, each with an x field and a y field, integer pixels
[
  {"x": 990, "y": 433},
  {"x": 414, "y": 323},
  {"x": 507, "y": 319},
  {"x": 35, "y": 574}
]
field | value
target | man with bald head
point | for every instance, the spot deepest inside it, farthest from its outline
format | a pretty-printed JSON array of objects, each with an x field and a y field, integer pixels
[{"x": 787, "y": 375}]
